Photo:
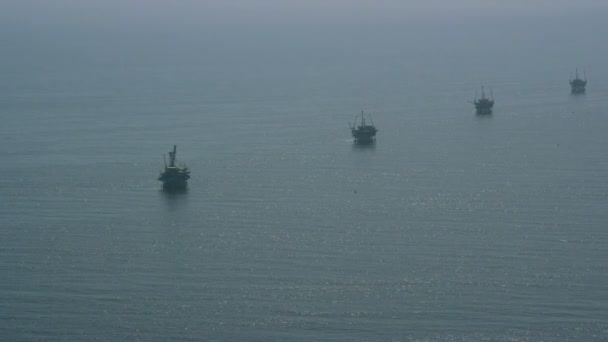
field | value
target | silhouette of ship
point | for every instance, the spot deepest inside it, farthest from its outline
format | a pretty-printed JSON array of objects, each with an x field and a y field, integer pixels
[
  {"x": 362, "y": 132},
  {"x": 577, "y": 84},
  {"x": 174, "y": 177},
  {"x": 484, "y": 104}
]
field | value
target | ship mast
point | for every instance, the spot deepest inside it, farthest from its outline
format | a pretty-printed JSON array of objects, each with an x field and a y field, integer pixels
[{"x": 172, "y": 156}]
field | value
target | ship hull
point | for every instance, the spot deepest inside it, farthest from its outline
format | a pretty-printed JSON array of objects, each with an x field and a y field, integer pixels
[
  {"x": 365, "y": 140},
  {"x": 365, "y": 135},
  {"x": 175, "y": 184},
  {"x": 483, "y": 111},
  {"x": 174, "y": 181},
  {"x": 484, "y": 106},
  {"x": 577, "y": 91}
]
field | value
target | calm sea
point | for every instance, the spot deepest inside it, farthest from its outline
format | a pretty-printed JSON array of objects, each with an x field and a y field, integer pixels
[{"x": 452, "y": 227}]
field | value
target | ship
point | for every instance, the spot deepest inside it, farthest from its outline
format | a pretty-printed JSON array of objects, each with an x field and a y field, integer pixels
[
  {"x": 577, "y": 84},
  {"x": 174, "y": 177},
  {"x": 484, "y": 104},
  {"x": 362, "y": 132}
]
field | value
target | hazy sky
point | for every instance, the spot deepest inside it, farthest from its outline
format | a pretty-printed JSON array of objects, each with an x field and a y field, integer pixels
[
  {"x": 32, "y": 12},
  {"x": 301, "y": 32},
  {"x": 242, "y": 26}
]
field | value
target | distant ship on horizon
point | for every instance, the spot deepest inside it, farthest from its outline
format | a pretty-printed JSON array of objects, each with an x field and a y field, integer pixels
[
  {"x": 362, "y": 132},
  {"x": 484, "y": 105},
  {"x": 174, "y": 177},
  {"x": 577, "y": 84}
]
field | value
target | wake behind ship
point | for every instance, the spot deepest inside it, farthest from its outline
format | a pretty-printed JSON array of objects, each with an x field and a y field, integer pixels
[{"x": 174, "y": 177}]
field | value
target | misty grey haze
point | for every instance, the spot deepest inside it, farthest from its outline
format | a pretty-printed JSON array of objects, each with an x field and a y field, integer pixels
[{"x": 452, "y": 227}]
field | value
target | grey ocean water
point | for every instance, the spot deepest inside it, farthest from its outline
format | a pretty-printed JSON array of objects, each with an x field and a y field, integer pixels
[{"x": 453, "y": 227}]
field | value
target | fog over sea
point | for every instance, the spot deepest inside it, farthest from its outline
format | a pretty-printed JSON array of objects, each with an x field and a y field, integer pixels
[{"x": 452, "y": 227}]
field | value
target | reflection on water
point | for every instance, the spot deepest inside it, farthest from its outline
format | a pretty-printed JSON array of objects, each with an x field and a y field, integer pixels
[
  {"x": 483, "y": 116},
  {"x": 174, "y": 198},
  {"x": 577, "y": 95},
  {"x": 364, "y": 145}
]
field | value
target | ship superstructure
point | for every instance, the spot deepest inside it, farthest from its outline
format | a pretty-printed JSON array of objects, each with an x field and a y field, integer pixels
[
  {"x": 174, "y": 177},
  {"x": 363, "y": 132},
  {"x": 577, "y": 84},
  {"x": 485, "y": 104}
]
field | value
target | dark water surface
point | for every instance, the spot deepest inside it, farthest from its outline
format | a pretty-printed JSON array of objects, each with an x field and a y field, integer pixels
[{"x": 452, "y": 227}]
